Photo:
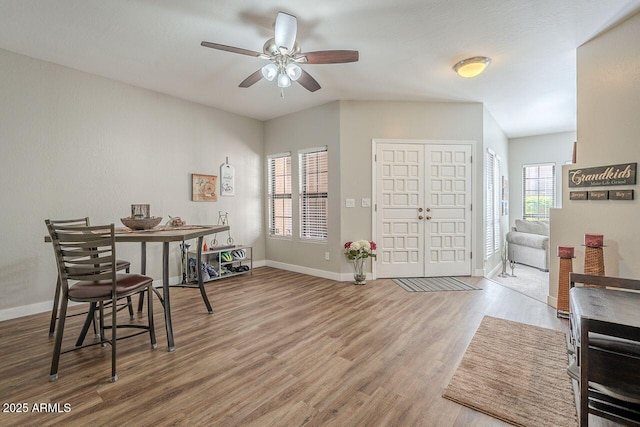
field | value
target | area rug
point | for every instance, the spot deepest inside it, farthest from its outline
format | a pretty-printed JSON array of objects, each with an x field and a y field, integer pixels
[
  {"x": 528, "y": 281},
  {"x": 516, "y": 373},
  {"x": 434, "y": 284}
]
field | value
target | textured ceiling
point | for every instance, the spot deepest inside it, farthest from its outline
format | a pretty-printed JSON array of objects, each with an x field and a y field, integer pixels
[{"x": 407, "y": 49}]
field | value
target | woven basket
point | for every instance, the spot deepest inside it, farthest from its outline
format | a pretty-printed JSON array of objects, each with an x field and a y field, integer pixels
[
  {"x": 566, "y": 267},
  {"x": 593, "y": 262}
]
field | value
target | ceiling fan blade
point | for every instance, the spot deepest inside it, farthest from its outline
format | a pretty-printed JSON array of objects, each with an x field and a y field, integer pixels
[
  {"x": 308, "y": 82},
  {"x": 330, "y": 56},
  {"x": 285, "y": 30},
  {"x": 252, "y": 79},
  {"x": 230, "y": 49}
]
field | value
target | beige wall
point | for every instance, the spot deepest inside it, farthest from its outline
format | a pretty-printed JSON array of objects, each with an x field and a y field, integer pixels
[
  {"x": 553, "y": 148},
  {"x": 74, "y": 145},
  {"x": 608, "y": 133},
  {"x": 363, "y": 121},
  {"x": 495, "y": 139},
  {"x": 310, "y": 128}
]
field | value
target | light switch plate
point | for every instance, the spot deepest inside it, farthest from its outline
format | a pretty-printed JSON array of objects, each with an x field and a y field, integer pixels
[
  {"x": 366, "y": 202},
  {"x": 350, "y": 203}
]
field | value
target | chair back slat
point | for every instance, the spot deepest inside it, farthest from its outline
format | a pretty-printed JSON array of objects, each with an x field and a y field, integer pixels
[{"x": 83, "y": 252}]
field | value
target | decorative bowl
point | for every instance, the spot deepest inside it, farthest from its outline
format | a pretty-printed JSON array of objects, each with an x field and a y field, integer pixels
[{"x": 141, "y": 223}]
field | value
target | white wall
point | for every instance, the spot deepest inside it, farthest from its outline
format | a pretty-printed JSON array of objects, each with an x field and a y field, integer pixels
[
  {"x": 363, "y": 121},
  {"x": 310, "y": 128},
  {"x": 608, "y": 133},
  {"x": 75, "y": 145},
  {"x": 553, "y": 148}
]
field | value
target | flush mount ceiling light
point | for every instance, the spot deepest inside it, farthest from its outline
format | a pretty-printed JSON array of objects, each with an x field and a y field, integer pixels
[{"x": 471, "y": 67}]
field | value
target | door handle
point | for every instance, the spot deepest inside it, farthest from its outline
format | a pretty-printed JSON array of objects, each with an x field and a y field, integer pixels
[
  {"x": 419, "y": 209},
  {"x": 420, "y": 217},
  {"x": 428, "y": 218},
  {"x": 428, "y": 209}
]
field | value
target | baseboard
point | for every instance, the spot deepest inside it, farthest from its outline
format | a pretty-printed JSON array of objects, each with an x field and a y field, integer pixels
[
  {"x": 310, "y": 271},
  {"x": 493, "y": 271},
  {"x": 552, "y": 301},
  {"x": 45, "y": 306}
]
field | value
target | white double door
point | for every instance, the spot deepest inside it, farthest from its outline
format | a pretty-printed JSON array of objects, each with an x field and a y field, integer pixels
[{"x": 423, "y": 209}]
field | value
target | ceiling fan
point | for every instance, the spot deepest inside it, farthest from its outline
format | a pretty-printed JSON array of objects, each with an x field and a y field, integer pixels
[{"x": 283, "y": 53}]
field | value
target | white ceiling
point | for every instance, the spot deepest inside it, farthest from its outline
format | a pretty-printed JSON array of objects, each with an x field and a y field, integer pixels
[{"x": 407, "y": 49}]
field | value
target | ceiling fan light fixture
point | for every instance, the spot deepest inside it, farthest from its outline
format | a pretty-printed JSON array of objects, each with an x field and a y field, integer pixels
[
  {"x": 471, "y": 67},
  {"x": 293, "y": 71},
  {"x": 269, "y": 71},
  {"x": 283, "y": 80}
]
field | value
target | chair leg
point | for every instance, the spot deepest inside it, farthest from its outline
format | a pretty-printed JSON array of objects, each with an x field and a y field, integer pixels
[
  {"x": 90, "y": 319},
  {"x": 102, "y": 336},
  {"x": 114, "y": 323},
  {"x": 53, "y": 374},
  {"x": 140, "y": 302},
  {"x": 129, "y": 302},
  {"x": 54, "y": 311},
  {"x": 152, "y": 331},
  {"x": 130, "y": 306}
]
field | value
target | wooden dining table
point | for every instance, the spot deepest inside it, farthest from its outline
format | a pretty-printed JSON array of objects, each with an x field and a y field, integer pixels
[{"x": 166, "y": 235}]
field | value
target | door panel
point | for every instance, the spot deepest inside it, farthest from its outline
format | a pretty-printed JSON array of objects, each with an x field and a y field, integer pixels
[
  {"x": 448, "y": 245},
  {"x": 423, "y": 209},
  {"x": 400, "y": 171}
]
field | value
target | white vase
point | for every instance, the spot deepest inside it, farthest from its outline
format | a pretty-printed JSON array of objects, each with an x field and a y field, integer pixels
[{"x": 359, "y": 275}]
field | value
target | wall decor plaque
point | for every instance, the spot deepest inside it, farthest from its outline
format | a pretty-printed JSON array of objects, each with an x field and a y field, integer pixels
[
  {"x": 623, "y": 174},
  {"x": 621, "y": 194},
  {"x": 204, "y": 188},
  {"x": 598, "y": 195},
  {"x": 578, "y": 195}
]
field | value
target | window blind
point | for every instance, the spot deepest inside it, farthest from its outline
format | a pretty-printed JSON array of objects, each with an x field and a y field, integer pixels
[
  {"x": 280, "y": 216},
  {"x": 492, "y": 192},
  {"x": 538, "y": 191},
  {"x": 314, "y": 192}
]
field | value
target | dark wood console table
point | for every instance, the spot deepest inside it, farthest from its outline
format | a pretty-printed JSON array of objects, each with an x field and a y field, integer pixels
[{"x": 605, "y": 328}]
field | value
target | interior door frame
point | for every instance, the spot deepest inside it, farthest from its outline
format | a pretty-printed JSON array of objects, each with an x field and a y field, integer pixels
[{"x": 374, "y": 184}]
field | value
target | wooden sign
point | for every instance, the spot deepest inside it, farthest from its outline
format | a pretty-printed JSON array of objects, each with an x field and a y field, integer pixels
[
  {"x": 624, "y": 174},
  {"x": 621, "y": 194},
  {"x": 598, "y": 195},
  {"x": 577, "y": 195}
]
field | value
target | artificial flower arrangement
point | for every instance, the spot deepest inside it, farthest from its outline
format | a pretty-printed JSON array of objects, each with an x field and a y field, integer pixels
[{"x": 360, "y": 249}]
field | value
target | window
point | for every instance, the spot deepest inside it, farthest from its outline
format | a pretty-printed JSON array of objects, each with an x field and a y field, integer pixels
[
  {"x": 280, "y": 219},
  {"x": 538, "y": 191},
  {"x": 314, "y": 187},
  {"x": 492, "y": 223}
]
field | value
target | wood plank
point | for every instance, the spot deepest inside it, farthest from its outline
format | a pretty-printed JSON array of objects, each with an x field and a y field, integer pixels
[{"x": 281, "y": 348}]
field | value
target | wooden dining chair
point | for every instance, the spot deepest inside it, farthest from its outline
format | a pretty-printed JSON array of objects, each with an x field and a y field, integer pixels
[
  {"x": 120, "y": 265},
  {"x": 87, "y": 256}
]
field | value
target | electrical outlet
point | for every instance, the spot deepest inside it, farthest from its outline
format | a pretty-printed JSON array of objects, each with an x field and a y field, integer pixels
[
  {"x": 366, "y": 202},
  {"x": 326, "y": 256},
  {"x": 350, "y": 203}
]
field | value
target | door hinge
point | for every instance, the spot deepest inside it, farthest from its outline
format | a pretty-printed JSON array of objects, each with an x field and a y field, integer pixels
[
  {"x": 470, "y": 255},
  {"x": 375, "y": 157},
  {"x": 375, "y": 207},
  {"x": 471, "y": 207},
  {"x": 471, "y": 161}
]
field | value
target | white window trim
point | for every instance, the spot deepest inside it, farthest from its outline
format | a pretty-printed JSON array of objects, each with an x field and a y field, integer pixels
[
  {"x": 269, "y": 212},
  {"x": 322, "y": 148},
  {"x": 553, "y": 193}
]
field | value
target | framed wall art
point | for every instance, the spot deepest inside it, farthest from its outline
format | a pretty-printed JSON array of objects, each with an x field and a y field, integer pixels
[{"x": 204, "y": 188}]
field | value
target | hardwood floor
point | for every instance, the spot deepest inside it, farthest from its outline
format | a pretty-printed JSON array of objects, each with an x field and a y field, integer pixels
[{"x": 281, "y": 349}]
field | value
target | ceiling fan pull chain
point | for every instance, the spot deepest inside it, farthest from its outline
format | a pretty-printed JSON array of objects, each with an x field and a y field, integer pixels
[{"x": 282, "y": 93}]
